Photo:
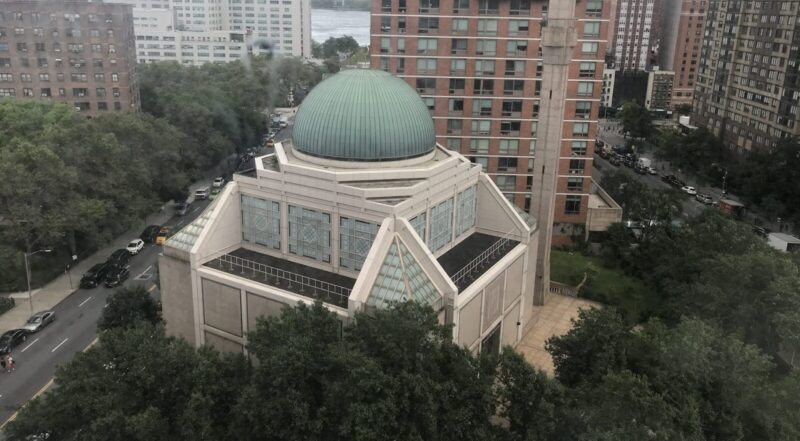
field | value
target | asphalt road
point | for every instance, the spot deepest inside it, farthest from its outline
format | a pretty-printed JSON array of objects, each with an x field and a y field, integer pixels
[{"x": 74, "y": 329}]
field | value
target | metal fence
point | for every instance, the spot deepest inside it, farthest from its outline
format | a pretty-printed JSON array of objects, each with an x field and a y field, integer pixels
[
  {"x": 297, "y": 283},
  {"x": 477, "y": 264}
]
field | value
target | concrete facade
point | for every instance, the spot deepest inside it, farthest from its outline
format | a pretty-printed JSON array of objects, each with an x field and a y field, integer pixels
[
  {"x": 607, "y": 94},
  {"x": 78, "y": 53},
  {"x": 746, "y": 90},
  {"x": 659, "y": 90}
]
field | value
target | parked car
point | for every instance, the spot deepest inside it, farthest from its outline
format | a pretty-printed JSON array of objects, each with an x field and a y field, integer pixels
[
  {"x": 668, "y": 178},
  {"x": 95, "y": 275},
  {"x": 218, "y": 182},
  {"x": 149, "y": 233},
  {"x": 761, "y": 231},
  {"x": 163, "y": 234},
  {"x": 182, "y": 208},
  {"x": 39, "y": 321},
  {"x": 135, "y": 246},
  {"x": 651, "y": 171},
  {"x": 688, "y": 189},
  {"x": 11, "y": 340},
  {"x": 704, "y": 198},
  {"x": 614, "y": 160},
  {"x": 120, "y": 257},
  {"x": 640, "y": 170},
  {"x": 116, "y": 276},
  {"x": 201, "y": 193}
]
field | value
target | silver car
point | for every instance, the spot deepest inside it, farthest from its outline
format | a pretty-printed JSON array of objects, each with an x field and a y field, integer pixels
[{"x": 39, "y": 321}]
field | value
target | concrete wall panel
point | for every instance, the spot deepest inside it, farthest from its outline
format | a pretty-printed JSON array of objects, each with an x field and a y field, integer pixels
[
  {"x": 469, "y": 322},
  {"x": 509, "y": 335},
  {"x": 513, "y": 282},
  {"x": 493, "y": 305},
  {"x": 176, "y": 297},
  {"x": 222, "y": 344},
  {"x": 222, "y": 306},
  {"x": 258, "y": 306}
]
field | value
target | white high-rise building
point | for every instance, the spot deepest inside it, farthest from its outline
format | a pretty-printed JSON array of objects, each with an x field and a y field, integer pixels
[{"x": 200, "y": 31}]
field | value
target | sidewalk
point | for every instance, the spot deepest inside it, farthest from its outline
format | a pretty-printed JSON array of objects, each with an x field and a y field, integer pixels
[{"x": 62, "y": 286}]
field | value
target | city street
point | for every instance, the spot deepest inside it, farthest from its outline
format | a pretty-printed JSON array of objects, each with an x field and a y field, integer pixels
[{"x": 74, "y": 328}]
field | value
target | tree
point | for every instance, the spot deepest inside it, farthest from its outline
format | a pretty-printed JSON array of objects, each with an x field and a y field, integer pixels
[
  {"x": 127, "y": 307},
  {"x": 683, "y": 109},
  {"x": 636, "y": 120}
]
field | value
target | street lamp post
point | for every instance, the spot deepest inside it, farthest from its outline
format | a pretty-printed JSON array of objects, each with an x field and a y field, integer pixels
[{"x": 28, "y": 275}]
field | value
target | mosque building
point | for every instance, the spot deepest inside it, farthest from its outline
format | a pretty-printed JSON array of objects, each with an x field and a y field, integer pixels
[{"x": 361, "y": 209}]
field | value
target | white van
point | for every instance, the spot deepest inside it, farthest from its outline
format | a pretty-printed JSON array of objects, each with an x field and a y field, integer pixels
[{"x": 201, "y": 193}]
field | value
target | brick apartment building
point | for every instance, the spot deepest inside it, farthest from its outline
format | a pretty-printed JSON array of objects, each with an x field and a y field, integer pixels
[
  {"x": 682, "y": 54},
  {"x": 478, "y": 66},
  {"x": 75, "y": 52},
  {"x": 747, "y": 90}
]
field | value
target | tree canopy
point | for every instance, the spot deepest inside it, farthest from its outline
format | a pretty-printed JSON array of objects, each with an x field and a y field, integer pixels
[{"x": 127, "y": 307}]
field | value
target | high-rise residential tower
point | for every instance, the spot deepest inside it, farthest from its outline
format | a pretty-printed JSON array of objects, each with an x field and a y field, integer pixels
[
  {"x": 478, "y": 65},
  {"x": 78, "y": 53},
  {"x": 747, "y": 89},
  {"x": 637, "y": 33},
  {"x": 682, "y": 39}
]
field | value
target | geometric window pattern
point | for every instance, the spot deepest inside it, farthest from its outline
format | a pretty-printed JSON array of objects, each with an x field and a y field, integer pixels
[
  {"x": 401, "y": 278},
  {"x": 465, "y": 216},
  {"x": 261, "y": 221},
  {"x": 441, "y": 225},
  {"x": 418, "y": 222},
  {"x": 310, "y": 233},
  {"x": 355, "y": 240}
]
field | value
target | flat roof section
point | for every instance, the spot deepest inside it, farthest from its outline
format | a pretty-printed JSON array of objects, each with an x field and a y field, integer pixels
[
  {"x": 473, "y": 256},
  {"x": 284, "y": 274}
]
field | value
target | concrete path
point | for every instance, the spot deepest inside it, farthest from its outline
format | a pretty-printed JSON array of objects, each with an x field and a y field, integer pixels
[{"x": 554, "y": 318}]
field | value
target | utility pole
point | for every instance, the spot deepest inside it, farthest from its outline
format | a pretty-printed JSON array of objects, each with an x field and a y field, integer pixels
[{"x": 28, "y": 275}]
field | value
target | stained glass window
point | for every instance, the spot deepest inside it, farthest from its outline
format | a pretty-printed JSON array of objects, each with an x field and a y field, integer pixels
[
  {"x": 261, "y": 221},
  {"x": 418, "y": 222},
  {"x": 310, "y": 233},
  {"x": 441, "y": 225},
  {"x": 355, "y": 240},
  {"x": 465, "y": 216},
  {"x": 400, "y": 279}
]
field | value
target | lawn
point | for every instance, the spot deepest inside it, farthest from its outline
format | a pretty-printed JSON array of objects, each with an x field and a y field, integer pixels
[{"x": 609, "y": 286}]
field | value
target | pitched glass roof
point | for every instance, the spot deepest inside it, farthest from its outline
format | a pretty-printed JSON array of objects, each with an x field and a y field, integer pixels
[{"x": 400, "y": 279}]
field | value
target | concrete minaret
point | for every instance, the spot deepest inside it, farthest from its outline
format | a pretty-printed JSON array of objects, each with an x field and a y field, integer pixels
[{"x": 559, "y": 39}]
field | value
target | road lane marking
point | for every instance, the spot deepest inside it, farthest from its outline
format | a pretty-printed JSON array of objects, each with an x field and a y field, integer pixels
[
  {"x": 195, "y": 209},
  {"x": 179, "y": 223},
  {"x": 90, "y": 344},
  {"x": 147, "y": 269},
  {"x": 29, "y": 345},
  {"x": 59, "y": 345},
  {"x": 151, "y": 288},
  {"x": 84, "y": 302}
]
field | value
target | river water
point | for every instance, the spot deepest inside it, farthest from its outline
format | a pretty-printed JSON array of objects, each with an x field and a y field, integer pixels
[{"x": 336, "y": 23}]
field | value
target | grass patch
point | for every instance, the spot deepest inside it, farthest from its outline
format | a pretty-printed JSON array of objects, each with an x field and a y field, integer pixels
[{"x": 609, "y": 286}]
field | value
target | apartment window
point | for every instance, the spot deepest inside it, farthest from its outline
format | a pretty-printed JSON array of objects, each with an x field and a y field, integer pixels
[
  {"x": 507, "y": 164},
  {"x": 355, "y": 240},
  {"x": 261, "y": 221},
  {"x": 483, "y": 87},
  {"x": 100, "y": 77},
  {"x": 454, "y": 144},
  {"x": 7, "y": 91},
  {"x": 386, "y": 5},
  {"x": 508, "y": 147},
  {"x": 578, "y": 148},
  {"x": 386, "y": 24},
  {"x": 482, "y": 161},
  {"x": 481, "y": 126},
  {"x": 535, "y": 111},
  {"x": 460, "y": 25},
  {"x": 5, "y": 62},
  {"x": 428, "y": 6},
  {"x": 60, "y": 77},
  {"x": 506, "y": 182},
  {"x": 530, "y": 165},
  {"x": 587, "y": 70},
  {"x": 45, "y": 92},
  {"x": 79, "y": 77},
  {"x": 589, "y": 48},
  {"x": 3, "y": 47},
  {"x": 488, "y": 7},
  {"x": 515, "y": 68},
  {"x": 594, "y": 8},
  {"x": 97, "y": 48},
  {"x": 518, "y": 27},
  {"x": 22, "y": 47},
  {"x": 458, "y": 66},
  {"x": 512, "y": 108},
  {"x": 460, "y": 6},
  {"x": 428, "y": 25},
  {"x": 114, "y": 77},
  {"x": 479, "y": 146},
  {"x": 481, "y": 107},
  {"x": 100, "y": 91},
  {"x": 517, "y": 47},
  {"x": 426, "y": 85},
  {"x": 583, "y": 109},
  {"x": 574, "y": 184},
  {"x": 458, "y": 46},
  {"x": 456, "y": 86},
  {"x": 585, "y": 88},
  {"x": 576, "y": 166},
  {"x": 384, "y": 64},
  {"x": 44, "y": 77},
  {"x": 513, "y": 87},
  {"x": 27, "y": 91},
  {"x": 62, "y": 91},
  {"x": 485, "y": 47},
  {"x": 427, "y": 46},
  {"x": 40, "y": 47},
  {"x": 484, "y": 67},
  {"x": 509, "y": 128},
  {"x": 385, "y": 44},
  {"x": 487, "y": 26},
  {"x": 519, "y": 7},
  {"x": 24, "y": 62},
  {"x": 591, "y": 29},
  {"x": 25, "y": 77},
  {"x": 426, "y": 66},
  {"x": 115, "y": 92},
  {"x": 117, "y": 106},
  {"x": 309, "y": 233},
  {"x": 580, "y": 129},
  {"x": 80, "y": 92},
  {"x": 454, "y": 126},
  {"x": 572, "y": 205}
]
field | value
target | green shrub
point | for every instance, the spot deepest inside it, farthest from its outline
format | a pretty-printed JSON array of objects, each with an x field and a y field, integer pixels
[{"x": 6, "y": 303}]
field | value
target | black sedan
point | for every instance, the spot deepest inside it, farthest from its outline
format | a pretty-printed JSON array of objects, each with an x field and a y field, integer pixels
[
  {"x": 95, "y": 275},
  {"x": 11, "y": 340},
  {"x": 116, "y": 276},
  {"x": 149, "y": 233}
]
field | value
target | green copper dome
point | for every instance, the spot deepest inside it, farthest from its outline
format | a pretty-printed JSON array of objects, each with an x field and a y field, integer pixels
[{"x": 363, "y": 115}]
